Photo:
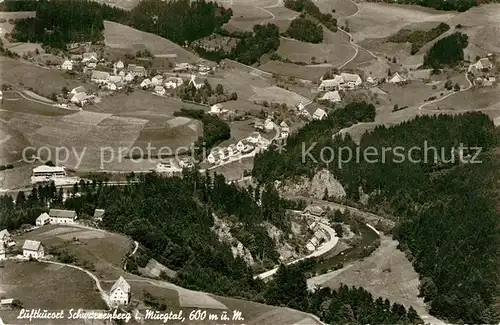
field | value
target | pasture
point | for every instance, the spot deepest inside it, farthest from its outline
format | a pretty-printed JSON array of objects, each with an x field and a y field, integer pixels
[
  {"x": 48, "y": 286},
  {"x": 295, "y": 70},
  {"x": 119, "y": 36},
  {"x": 27, "y": 75}
]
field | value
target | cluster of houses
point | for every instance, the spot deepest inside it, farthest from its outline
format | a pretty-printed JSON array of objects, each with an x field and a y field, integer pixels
[
  {"x": 245, "y": 146},
  {"x": 159, "y": 84},
  {"x": 56, "y": 216},
  {"x": 172, "y": 168},
  {"x": 319, "y": 234},
  {"x": 309, "y": 112},
  {"x": 482, "y": 72},
  {"x": 269, "y": 125}
]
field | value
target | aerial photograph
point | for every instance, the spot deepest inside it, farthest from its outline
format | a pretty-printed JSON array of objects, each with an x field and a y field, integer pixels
[{"x": 249, "y": 162}]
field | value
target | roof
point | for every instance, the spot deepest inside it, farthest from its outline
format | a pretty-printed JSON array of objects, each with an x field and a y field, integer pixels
[
  {"x": 122, "y": 284},
  {"x": 89, "y": 55},
  {"x": 349, "y": 77},
  {"x": 8, "y": 301},
  {"x": 4, "y": 233},
  {"x": 174, "y": 79},
  {"x": 100, "y": 75},
  {"x": 485, "y": 62},
  {"x": 139, "y": 68},
  {"x": 79, "y": 96},
  {"x": 332, "y": 96},
  {"x": 319, "y": 112},
  {"x": 99, "y": 212},
  {"x": 31, "y": 245},
  {"x": 48, "y": 169},
  {"x": 56, "y": 213},
  {"x": 255, "y": 134},
  {"x": 115, "y": 78},
  {"x": 43, "y": 216},
  {"x": 159, "y": 88},
  {"x": 79, "y": 89},
  {"x": 329, "y": 83},
  {"x": 67, "y": 61}
]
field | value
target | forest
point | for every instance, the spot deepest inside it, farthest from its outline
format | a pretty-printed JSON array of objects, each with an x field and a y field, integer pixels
[
  {"x": 172, "y": 217},
  {"x": 305, "y": 30},
  {"x": 418, "y": 38},
  {"x": 458, "y": 5},
  {"x": 58, "y": 23},
  {"x": 447, "y": 52},
  {"x": 449, "y": 226},
  {"x": 308, "y": 7}
]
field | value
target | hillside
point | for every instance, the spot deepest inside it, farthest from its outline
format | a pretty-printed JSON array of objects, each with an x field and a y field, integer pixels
[{"x": 124, "y": 37}]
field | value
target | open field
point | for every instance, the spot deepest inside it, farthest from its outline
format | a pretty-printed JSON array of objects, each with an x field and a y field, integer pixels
[
  {"x": 294, "y": 70},
  {"x": 386, "y": 273},
  {"x": 47, "y": 286},
  {"x": 43, "y": 81},
  {"x": 380, "y": 20},
  {"x": 124, "y": 37},
  {"x": 343, "y": 8},
  {"x": 246, "y": 16}
]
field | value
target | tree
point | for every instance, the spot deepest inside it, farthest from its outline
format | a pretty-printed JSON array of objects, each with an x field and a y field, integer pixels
[
  {"x": 456, "y": 87},
  {"x": 234, "y": 96},
  {"x": 219, "y": 89}
]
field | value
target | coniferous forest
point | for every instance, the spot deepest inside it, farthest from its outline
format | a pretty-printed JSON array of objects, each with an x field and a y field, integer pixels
[{"x": 449, "y": 224}]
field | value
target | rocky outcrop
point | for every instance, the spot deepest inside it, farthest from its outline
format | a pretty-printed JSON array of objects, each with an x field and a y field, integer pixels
[
  {"x": 223, "y": 231},
  {"x": 286, "y": 251},
  {"x": 323, "y": 182}
]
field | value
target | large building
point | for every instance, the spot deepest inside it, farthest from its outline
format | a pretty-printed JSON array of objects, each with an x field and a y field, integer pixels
[
  {"x": 62, "y": 216},
  {"x": 33, "y": 249},
  {"x": 119, "y": 294}
]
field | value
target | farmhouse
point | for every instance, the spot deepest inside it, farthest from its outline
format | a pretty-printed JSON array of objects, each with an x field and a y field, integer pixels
[
  {"x": 33, "y": 249},
  {"x": 67, "y": 65},
  {"x": 233, "y": 149},
  {"x": 159, "y": 90},
  {"x": 157, "y": 80},
  {"x": 79, "y": 99},
  {"x": 111, "y": 86},
  {"x": 77, "y": 90},
  {"x": 483, "y": 63},
  {"x": 396, "y": 78},
  {"x": 128, "y": 77},
  {"x": 332, "y": 96},
  {"x": 119, "y": 293},
  {"x": 254, "y": 137},
  {"x": 319, "y": 114},
  {"x": 284, "y": 129},
  {"x": 173, "y": 82},
  {"x": 98, "y": 213},
  {"x": 62, "y": 216},
  {"x": 329, "y": 84},
  {"x": 215, "y": 156},
  {"x": 183, "y": 67},
  {"x": 43, "y": 219},
  {"x": 5, "y": 236},
  {"x": 351, "y": 80},
  {"x": 370, "y": 80},
  {"x": 76, "y": 57},
  {"x": 137, "y": 70},
  {"x": 89, "y": 57},
  {"x": 146, "y": 83},
  {"x": 100, "y": 77}
]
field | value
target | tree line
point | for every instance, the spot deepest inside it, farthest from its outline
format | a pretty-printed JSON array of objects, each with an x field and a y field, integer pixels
[
  {"x": 448, "y": 52},
  {"x": 304, "y": 29}
]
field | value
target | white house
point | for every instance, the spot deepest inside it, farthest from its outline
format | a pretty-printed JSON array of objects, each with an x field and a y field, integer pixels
[
  {"x": 370, "y": 80},
  {"x": 118, "y": 65},
  {"x": 332, "y": 96},
  {"x": 79, "y": 89},
  {"x": 58, "y": 216},
  {"x": 98, "y": 213},
  {"x": 157, "y": 80},
  {"x": 89, "y": 57},
  {"x": 79, "y": 99},
  {"x": 254, "y": 137},
  {"x": 128, "y": 77},
  {"x": 215, "y": 156},
  {"x": 173, "y": 82},
  {"x": 319, "y": 114},
  {"x": 269, "y": 125},
  {"x": 120, "y": 292},
  {"x": 396, "y": 78},
  {"x": 233, "y": 149},
  {"x": 100, "y": 77},
  {"x": 159, "y": 90},
  {"x": 91, "y": 65},
  {"x": 351, "y": 80},
  {"x": 168, "y": 167},
  {"x": 329, "y": 84},
  {"x": 216, "y": 109},
  {"x": 67, "y": 65},
  {"x": 284, "y": 130},
  {"x": 484, "y": 63},
  {"x": 43, "y": 219},
  {"x": 33, "y": 249},
  {"x": 146, "y": 83},
  {"x": 111, "y": 86},
  {"x": 5, "y": 236}
]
